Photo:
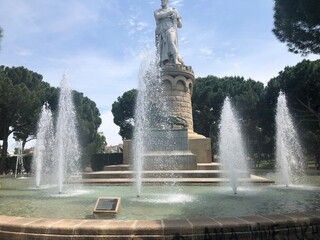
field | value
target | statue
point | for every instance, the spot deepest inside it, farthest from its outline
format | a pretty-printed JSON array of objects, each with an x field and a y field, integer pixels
[{"x": 167, "y": 21}]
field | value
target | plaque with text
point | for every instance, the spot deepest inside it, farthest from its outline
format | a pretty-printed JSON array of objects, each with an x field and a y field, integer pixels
[{"x": 107, "y": 205}]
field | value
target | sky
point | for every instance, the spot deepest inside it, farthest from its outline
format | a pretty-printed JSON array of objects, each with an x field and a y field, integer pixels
[{"x": 99, "y": 43}]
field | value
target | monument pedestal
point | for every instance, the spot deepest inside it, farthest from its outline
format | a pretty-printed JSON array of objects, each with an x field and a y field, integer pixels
[
  {"x": 177, "y": 81},
  {"x": 166, "y": 149},
  {"x": 199, "y": 147}
]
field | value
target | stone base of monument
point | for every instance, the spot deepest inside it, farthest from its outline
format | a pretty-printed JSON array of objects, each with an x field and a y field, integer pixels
[
  {"x": 175, "y": 160},
  {"x": 168, "y": 149},
  {"x": 200, "y": 146},
  {"x": 197, "y": 144}
]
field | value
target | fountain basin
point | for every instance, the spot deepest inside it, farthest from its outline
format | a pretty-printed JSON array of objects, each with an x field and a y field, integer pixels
[
  {"x": 276, "y": 226},
  {"x": 190, "y": 211}
]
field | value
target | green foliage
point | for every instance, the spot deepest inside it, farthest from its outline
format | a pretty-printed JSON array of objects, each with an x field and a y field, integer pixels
[
  {"x": 22, "y": 94},
  {"x": 11, "y": 163},
  {"x": 123, "y": 113},
  {"x": 88, "y": 117},
  {"x": 207, "y": 100},
  {"x": 88, "y": 122},
  {"x": 98, "y": 161},
  {"x": 297, "y": 22},
  {"x": 301, "y": 84}
]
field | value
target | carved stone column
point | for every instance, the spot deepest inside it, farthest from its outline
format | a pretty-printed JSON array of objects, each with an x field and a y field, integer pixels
[{"x": 178, "y": 81}]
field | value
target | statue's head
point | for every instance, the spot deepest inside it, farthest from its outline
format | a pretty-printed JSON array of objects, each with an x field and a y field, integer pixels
[{"x": 164, "y": 3}]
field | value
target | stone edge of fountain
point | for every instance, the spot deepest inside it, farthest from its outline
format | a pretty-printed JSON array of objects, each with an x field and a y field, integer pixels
[{"x": 293, "y": 225}]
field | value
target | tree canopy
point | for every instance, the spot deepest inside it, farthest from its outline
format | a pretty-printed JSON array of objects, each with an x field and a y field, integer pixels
[
  {"x": 297, "y": 23},
  {"x": 123, "y": 113},
  {"x": 23, "y": 93},
  {"x": 301, "y": 84},
  {"x": 207, "y": 100},
  {"x": 88, "y": 119}
]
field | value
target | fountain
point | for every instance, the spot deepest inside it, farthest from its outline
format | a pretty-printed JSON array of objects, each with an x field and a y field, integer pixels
[
  {"x": 232, "y": 153},
  {"x": 194, "y": 210},
  {"x": 147, "y": 108},
  {"x": 42, "y": 156},
  {"x": 289, "y": 158},
  {"x": 66, "y": 144},
  {"x": 64, "y": 141}
]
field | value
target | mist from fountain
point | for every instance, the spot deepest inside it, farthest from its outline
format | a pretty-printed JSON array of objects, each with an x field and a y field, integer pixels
[
  {"x": 289, "y": 157},
  {"x": 231, "y": 149},
  {"x": 150, "y": 106},
  {"x": 42, "y": 156},
  {"x": 67, "y": 151}
]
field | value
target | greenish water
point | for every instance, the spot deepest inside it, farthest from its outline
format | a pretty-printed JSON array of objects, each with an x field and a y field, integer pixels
[{"x": 18, "y": 197}]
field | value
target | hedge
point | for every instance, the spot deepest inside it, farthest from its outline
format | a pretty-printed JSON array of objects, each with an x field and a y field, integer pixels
[{"x": 11, "y": 163}]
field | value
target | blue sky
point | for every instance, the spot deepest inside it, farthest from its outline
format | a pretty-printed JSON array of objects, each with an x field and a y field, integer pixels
[{"x": 98, "y": 43}]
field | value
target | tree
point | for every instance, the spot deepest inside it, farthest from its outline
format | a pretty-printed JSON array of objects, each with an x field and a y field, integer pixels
[
  {"x": 22, "y": 94},
  {"x": 301, "y": 84},
  {"x": 123, "y": 113},
  {"x": 207, "y": 100},
  {"x": 88, "y": 119},
  {"x": 297, "y": 23}
]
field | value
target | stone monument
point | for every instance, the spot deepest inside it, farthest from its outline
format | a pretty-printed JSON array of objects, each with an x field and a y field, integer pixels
[
  {"x": 177, "y": 86},
  {"x": 177, "y": 78}
]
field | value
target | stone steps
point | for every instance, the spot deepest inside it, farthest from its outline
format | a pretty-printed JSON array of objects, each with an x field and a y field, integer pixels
[
  {"x": 161, "y": 174},
  {"x": 121, "y": 167},
  {"x": 251, "y": 179},
  {"x": 206, "y": 173},
  {"x": 125, "y": 167}
]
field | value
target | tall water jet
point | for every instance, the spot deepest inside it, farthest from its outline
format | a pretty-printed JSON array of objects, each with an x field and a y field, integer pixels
[
  {"x": 147, "y": 108},
  {"x": 67, "y": 150},
  {"x": 231, "y": 149},
  {"x": 289, "y": 157},
  {"x": 42, "y": 160}
]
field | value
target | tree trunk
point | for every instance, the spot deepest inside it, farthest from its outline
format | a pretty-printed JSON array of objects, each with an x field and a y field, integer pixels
[
  {"x": 315, "y": 113},
  {"x": 24, "y": 141},
  {"x": 4, "y": 151}
]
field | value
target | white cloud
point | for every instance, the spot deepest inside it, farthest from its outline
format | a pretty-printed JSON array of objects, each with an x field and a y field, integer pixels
[
  {"x": 24, "y": 52},
  {"x": 100, "y": 78},
  {"x": 177, "y": 3},
  {"x": 206, "y": 51}
]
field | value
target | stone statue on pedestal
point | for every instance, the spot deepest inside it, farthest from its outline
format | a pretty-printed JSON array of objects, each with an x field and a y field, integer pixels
[
  {"x": 167, "y": 21},
  {"x": 172, "y": 143}
]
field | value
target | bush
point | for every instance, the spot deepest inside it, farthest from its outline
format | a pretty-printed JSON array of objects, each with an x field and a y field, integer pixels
[{"x": 11, "y": 163}]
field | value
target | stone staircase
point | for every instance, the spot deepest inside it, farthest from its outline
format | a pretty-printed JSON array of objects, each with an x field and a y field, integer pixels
[{"x": 205, "y": 173}]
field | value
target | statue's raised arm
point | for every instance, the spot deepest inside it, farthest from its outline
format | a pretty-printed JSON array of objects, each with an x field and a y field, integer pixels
[{"x": 168, "y": 21}]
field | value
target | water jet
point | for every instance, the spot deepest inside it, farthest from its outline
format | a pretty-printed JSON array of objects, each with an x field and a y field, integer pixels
[{"x": 289, "y": 157}]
